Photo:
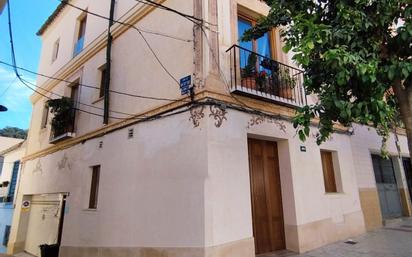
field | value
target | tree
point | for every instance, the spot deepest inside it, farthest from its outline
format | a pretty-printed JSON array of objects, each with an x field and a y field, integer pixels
[
  {"x": 357, "y": 57},
  {"x": 13, "y": 132}
]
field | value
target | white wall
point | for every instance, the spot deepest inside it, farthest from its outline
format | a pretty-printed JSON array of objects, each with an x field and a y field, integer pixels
[
  {"x": 366, "y": 141},
  {"x": 151, "y": 186},
  {"x": 228, "y": 204}
]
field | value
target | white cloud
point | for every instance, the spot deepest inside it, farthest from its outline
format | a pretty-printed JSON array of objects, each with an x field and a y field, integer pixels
[{"x": 16, "y": 98}]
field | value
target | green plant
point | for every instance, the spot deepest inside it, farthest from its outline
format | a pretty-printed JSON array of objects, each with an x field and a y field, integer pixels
[
  {"x": 250, "y": 69},
  {"x": 287, "y": 80},
  {"x": 63, "y": 115},
  {"x": 352, "y": 52}
]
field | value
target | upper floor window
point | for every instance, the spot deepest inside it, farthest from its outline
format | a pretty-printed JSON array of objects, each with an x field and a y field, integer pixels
[
  {"x": 55, "y": 50},
  {"x": 45, "y": 116},
  {"x": 94, "y": 187},
  {"x": 78, "y": 47},
  {"x": 263, "y": 46},
  {"x": 103, "y": 74}
]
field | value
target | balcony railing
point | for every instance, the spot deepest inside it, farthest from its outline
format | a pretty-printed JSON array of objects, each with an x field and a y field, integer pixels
[{"x": 258, "y": 76}]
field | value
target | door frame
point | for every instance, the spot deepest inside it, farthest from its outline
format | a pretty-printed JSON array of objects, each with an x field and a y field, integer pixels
[{"x": 283, "y": 232}]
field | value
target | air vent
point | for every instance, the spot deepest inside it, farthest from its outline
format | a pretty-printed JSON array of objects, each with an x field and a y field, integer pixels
[{"x": 130, "y": 133}]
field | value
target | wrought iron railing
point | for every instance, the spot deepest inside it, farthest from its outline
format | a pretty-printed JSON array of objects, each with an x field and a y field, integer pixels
[{"x": 259, "y": 76}]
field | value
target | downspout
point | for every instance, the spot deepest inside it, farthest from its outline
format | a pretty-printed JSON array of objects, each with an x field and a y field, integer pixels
[{"x": 108, "y": 64}]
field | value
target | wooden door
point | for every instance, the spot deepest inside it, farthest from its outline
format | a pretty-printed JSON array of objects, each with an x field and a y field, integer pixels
[{"x": 267, "y": 212}]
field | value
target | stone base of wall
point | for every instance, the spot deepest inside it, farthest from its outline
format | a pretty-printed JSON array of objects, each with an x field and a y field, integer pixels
[
  {"x": 241, "y": 248},
  {"x": 371, "y": 208},
  {"x": 406, "y": 202},
  {"x": 299, "y": 239},
  {"x": 316, "y": 234}
]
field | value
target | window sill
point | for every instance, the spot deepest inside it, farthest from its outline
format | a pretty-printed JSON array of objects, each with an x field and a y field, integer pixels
[
  {"x": 90, "y": 210},
  {"x": 335, "y": 194},
  {"x": 98, "y": 100}
]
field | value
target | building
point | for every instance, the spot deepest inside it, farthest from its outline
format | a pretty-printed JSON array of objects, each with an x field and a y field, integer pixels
[
  {"x": 137, "y": 169},
  {"x": 9, "y": 182}
]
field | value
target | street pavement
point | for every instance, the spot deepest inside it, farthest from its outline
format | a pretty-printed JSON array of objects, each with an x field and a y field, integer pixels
[{"x": 391, "y": 241}]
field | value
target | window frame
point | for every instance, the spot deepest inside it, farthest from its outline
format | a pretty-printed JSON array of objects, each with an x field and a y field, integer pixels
[
  {"x": 271, "y": 34},
  {"x": 330, "y": 176},
  {"x": 103, "y": 74},
  {"x": 56, "y": 47},
  {"x": 80, "y": 33},
  {"x": 45, "y": 116},
  {"x": 94, "y": 187}
]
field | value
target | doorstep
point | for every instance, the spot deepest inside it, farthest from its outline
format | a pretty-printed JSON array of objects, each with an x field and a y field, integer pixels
[{"x": 280, "y": 253}]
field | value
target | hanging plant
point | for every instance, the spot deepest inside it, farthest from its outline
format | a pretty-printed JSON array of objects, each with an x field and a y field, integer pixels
[{"x": 63, "y": 115}]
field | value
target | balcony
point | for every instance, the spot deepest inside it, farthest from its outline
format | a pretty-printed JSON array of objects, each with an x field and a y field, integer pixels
[
  {"x": 63, "y": 122},
  {"x": 257, "y": 76}
]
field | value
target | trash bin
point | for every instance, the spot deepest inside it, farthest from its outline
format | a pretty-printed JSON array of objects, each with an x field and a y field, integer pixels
[{"x": 49, "y": 250}]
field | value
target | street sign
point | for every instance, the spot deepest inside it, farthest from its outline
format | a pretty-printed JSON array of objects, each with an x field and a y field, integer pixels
[{"x": 185, "y": 84}]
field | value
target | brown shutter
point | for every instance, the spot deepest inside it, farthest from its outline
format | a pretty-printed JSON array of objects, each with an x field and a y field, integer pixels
[{"x": 328, "y": 172}]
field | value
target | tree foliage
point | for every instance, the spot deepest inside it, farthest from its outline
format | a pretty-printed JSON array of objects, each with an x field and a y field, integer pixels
[
  {"x": 353, "y": 53},
  {"x": 13, "y": 132}
]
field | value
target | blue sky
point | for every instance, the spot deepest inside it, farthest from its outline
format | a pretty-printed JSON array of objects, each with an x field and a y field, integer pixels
[{"x": 27, "y": 17}]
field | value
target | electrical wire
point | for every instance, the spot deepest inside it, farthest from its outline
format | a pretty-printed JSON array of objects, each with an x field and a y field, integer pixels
[
  {"x": 8, "y": 87},
  {"x": 76, "y": 102},
  {"x": 157, "y": 33},
  {"x": 94, "y": 87},
  {"x": 191, "y": 18},
  {"x": 140, "y": 33},
  {"x": 24, "y": 82}
]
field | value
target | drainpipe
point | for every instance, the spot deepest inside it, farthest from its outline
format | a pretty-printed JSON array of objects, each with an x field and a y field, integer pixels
[{"x": 108, "y": 64}]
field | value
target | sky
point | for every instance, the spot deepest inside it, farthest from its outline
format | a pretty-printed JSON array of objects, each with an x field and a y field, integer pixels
[{"x": 27, "y": 17}]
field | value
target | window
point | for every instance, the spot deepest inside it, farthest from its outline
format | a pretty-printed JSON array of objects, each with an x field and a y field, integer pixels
[
  {"x": 94, "y": 188},
  {"x": 45, "y": 116},
  {"x": 6, "y": 235},
  {"x": 13, "y": 182},
  {"x": 262, "y": 46},
  {"x": 328, "y": 172},
  {"x": 102, "y": 80},
  {"x": 78, "y": 47},
  {"x": 55, "y": 50}
]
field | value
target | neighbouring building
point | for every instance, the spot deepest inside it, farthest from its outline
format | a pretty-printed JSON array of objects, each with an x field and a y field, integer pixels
[
  {"x": 220, "y": 173},
  {"x": 9, "y": 182}
]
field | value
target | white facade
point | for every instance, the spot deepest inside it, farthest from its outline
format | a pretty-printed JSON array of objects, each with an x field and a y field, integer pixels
[{"x": 180, "y": 185}]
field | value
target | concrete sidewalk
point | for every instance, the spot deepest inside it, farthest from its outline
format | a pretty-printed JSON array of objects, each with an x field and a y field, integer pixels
[{"x": 391, "y": 241}]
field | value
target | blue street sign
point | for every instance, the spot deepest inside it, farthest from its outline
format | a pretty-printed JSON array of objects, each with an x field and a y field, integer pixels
[{"x": 185, "y": 84}]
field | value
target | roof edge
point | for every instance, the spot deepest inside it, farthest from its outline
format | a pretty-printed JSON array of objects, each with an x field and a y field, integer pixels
[{"x": 51, "y": 18}]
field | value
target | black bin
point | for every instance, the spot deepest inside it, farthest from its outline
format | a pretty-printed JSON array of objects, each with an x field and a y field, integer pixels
[{"x": 49, "y": 250}]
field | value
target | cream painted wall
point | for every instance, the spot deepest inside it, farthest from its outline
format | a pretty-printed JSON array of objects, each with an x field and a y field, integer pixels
[
  {"x": 366, "y": 141},
  {"x": 151, "y": 186},
  {"x": 227, "y": 197},
  {"x": 134, "y": 68}
]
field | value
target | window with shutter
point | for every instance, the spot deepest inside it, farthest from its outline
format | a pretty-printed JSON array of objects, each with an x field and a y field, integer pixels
[{"x": 328, "y": 172}]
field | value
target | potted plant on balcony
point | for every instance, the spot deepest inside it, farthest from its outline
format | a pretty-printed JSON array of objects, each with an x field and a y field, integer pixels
[
  {"x": 63, "y": 111},
  {"x": 249, "y": 72},
  {"x": 287, "y": 84},
  {"x": 261, "y": 81}
]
